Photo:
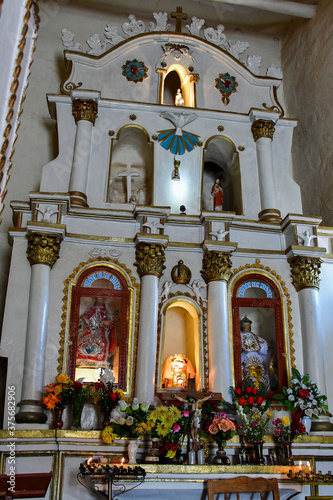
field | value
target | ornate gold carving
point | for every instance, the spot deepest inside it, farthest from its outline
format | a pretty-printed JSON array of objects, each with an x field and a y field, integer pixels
[
  {"x": 181, "y": 273},
  {"x": 150, "y": 259},
  {"x": 257, "y": 265},
  {"x": 263, "y": 128},
  {"x": 305, "y": 272},
  {"x": 216, "y": 267},
  {"x": 43, "y": 248},
  {"x": 220, "y": 128},
  {"x": 31, "y": 10},
  {"x": 194, "y": 78},
  {"x": 72, "y": 86},
  {"x": 84, "y": 109}
]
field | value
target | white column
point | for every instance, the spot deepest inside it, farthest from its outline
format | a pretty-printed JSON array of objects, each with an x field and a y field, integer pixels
[
  {"x": 43, "y": 251},
  {"x": 147, "y": 340},
  {"x": 218, "y": 339},
  {"x": 85, "y": 113}
]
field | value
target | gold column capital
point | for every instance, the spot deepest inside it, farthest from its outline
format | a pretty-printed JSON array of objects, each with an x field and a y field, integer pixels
[
  {"x": 43, "y": 248},
  {"x": 216, "y": 266},
  {"x": 84, "y": 109},
  {"x": 150, "y": 259},
  {"x": 263, "y": 128},
  {"x": 305, "y": 272}
]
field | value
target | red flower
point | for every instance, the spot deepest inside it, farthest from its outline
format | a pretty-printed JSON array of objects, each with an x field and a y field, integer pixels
[
  {"x": 249, "y": 390},
  {"x": 242, "y": 401},
  {"x": 250, "y": 400},
  {"x": 303, "y": 393},
  {"x": 259, "y": 400},
  {"x": 238, "y": 391},
  {"x": 113, "y": 396},
  {"x": 255, "y": 390}
]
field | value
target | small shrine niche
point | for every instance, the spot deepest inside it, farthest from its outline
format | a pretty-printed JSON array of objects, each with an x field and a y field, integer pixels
[
  {"x": 180, "y": 347},
  {"x": 177, "y": 87},
  {"x": 258, "y": 334},
  {"x": 221, "y": 168},
  {"x": 131, "y": 171}
]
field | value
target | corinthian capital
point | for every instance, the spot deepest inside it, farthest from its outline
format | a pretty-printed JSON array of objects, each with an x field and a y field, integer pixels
[
  {"x": 150, "y": 259},
  {"x": 84, "y": 109},
  {"x": 216, "y": 267},
  {"x": 305, "y": 272},
  {"x": 262, "y": 128},
  {"x": 43, "y": 248}
]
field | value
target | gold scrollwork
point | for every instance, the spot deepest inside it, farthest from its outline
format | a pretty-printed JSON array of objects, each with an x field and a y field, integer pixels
[
  {"x": 84, "y": 109},
  {"x": 43, "y": 248},
  {"x": 150, "y": 259},
  {"x": 216, "y": 267},
  {"x": 305, "y": 272},
  {"x": 263, "y": 128}
]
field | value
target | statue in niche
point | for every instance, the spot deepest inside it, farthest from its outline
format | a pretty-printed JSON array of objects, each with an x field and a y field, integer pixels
[
  {"x": 176, "y": 371},
  {"x": 179, "y": 99},
  {"x": 256, "y": 357},
  {"x": 217, "y": 193},
  {"x": 97, "y": 340}
]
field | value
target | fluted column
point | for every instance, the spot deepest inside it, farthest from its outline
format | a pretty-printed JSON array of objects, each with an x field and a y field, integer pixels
[
  {"x": 216, "y": 271},
  {"x": 84, "y": 108},
  {"x": 150, "y": 265},
  {"x": 43, "y": 251},
  {"x": 263, "y": 131}
]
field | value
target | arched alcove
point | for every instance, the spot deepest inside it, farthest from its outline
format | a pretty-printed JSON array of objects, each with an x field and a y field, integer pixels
[
  {"x": 176, "y": 77},
  {"x": 181, "y": 334},
  {"x": 221, "y": 163},
  {"x": 131, "y": 167}
]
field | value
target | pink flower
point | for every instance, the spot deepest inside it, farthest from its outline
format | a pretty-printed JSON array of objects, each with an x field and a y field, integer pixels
[
  {"x": 278, "y": 432},
  {"x": 176, "y": 428},
  {"x": 185, "y": 413},
  {"x": 277, "y": 421}
]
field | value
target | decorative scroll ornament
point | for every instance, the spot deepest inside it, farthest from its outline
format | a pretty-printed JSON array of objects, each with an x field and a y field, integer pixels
[
  {"x": 150, "y": 259},
  {"x": 67, "y": 38},
  {"x": 84, "y": 110},
  {"x": 181, "y": 274},
  {"x": 135, "y": 71},
  {"x": 111, "y": 34},
  {"x": 226, "y": 84},
  {"x": 176, "y": 140},
  {"x": 253, "y": 63},
  {"x": 237, "y": 48},
  {"x": 216, "y": 267},
  {"x": 97, "y": 47},
  {"x": 134, "y": 27},
  {"x": 263, "y": 128},
  {"x": 305, "y": 272},
  {"x": 196, "y": 25},
  {"x": 177, "y": 50},
  {"x": 43, "y": 248},
  {"x": 161, "y": 19},
  {"x": 215, "y": 36},
  {"x": 274, "y": 72}
]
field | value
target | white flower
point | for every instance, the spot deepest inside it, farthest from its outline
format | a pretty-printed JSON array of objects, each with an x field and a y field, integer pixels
[
  {"x": 308, "y": 413},
  {"x": 129, "y": 420},
  {"x": 314, "y": 402},
  {"x": 135, "y": 404},
  {"x": 294, "y": 381},
  {"x": 311, "y": 397},
  {"x": 122, "y": 405},
  {"x": 291, "y": 398},
  {"x": 289, "y": 391},
  {"x": 145, "y": 406}
]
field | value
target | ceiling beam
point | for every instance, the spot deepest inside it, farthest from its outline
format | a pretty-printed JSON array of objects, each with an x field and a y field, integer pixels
[{"x": 287, "y": 7}]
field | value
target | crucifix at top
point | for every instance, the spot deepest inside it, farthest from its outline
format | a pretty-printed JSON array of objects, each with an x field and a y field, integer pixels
[
  {"x": 128, "y": 174},
  {"x": 179, "y": 16}
]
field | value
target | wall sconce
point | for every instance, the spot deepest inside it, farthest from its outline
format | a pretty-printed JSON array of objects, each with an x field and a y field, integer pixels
[{"x": 175, "y": 173}]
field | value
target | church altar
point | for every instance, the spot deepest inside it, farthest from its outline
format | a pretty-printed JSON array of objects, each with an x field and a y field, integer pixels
[{"x": 62, "y": 452}]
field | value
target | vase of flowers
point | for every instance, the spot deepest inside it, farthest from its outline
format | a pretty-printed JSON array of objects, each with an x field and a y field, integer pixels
[
  {"x": 285, "y": 432},
  {"x": 57, "y": 396},
  {"x": 164, "y": 423},
  {"x": 303, "y": 395},
  {"x": 216, "y": 426},
  {"x": 81, "y": 393},
  {"x": 108, "y": 398},
  {"x": 255, "y": 415}
]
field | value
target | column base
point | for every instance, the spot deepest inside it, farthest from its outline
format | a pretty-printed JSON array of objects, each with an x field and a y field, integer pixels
[
  {"x": 78, "y": 199},
  {"x": 322, "y": 424},
  {"x": 270, "y": 215},
  {"x": 31, "y": 412}
]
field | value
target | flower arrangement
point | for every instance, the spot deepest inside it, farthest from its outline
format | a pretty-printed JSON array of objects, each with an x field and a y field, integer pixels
[
  {"x": 81, "y": 394},
  {"x": 108, "y": 397},
  {"x": 59, "y": 394},
  {"x": 221, "y": 428},
  {"x": 161, "y": 420},
  {"x": 253, "y": 411},
  {"x": 285, "y": 431},
  {"x": 127, "y": 420},
  {"x": 303, "y": 395}
]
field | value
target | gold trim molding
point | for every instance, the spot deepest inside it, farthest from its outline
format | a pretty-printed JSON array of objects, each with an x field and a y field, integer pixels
[
  {"x": 270, "y": 273},
  {"x": 84, "y": 109},
  {"x": 216, "y": 266},
  {"x": 43, "y": 248},
  {"x": 149, "y": 259},
  {"x": 305, "y": 272},
  {"x": 263, "y": 128}
]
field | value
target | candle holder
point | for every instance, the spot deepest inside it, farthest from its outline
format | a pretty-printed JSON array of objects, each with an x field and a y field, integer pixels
[{"x": 309, "y": 477}]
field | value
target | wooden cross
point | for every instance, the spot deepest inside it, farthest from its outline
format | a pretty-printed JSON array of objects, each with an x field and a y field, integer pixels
[
  {"x": 179, "y": 16},
  {"x": 192, "y": 396},
  {"x": 128, "y": 174}
]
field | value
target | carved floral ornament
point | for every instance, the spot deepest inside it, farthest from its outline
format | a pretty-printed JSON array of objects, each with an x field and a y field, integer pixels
[
  {"x": 135, "y": 71},
  {"x": 84, "y": 109},
  {"x": 150, "y": 259},
  {"x": 227, "y": 85},
  {"x": 263, "y": 128},
  {"x": 43, "y": 248},
  {"x": 216, "y": 266},
  {"x": 305, "y": 272}
]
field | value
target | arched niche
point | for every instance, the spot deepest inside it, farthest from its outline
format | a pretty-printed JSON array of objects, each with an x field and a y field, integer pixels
[
  {"x": 259, "y": 333},
  {"x": 181, "y": 333},
  {"x": 131, "y": 184},
  {"x": 221, "y": 162},
  {"x": 174, "y": 78},
  {"x": 99, "y": 312}
]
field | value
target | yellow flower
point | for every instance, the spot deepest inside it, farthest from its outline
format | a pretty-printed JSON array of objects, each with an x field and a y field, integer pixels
[
  {"x": 108, "y": 435},
  {"x": 285, "y": 421},
  {"x": 58, "y": 389},
  {"x": 62, "y": 379},
  {"x": 171, "y": 454},
  {"x": 269, "y": 414},
  {"x": 120, "y": 393}
]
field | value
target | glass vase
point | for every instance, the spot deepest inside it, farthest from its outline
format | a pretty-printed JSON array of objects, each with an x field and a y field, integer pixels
[
  {"x": 77, "y": 413},
  {"x": 287, "y": 455},
  {"x": 221, "y": 457},
  {"x": 258, "y": 452}
]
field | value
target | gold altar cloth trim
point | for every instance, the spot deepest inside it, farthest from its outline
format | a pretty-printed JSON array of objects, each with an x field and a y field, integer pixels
[{"x": 218, "y": 469}]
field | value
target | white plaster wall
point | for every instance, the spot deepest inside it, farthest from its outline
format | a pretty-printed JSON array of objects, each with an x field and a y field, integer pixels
[{"x": 307, "y": 55}]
